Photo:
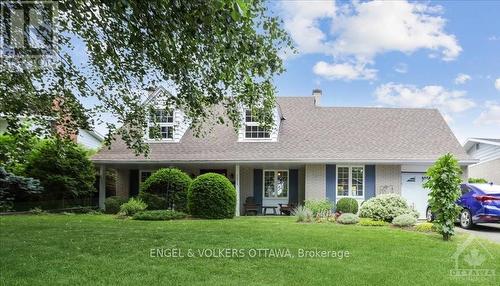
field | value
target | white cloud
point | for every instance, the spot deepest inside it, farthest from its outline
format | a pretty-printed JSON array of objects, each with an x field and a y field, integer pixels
[
  {"x": 430, "y": 96},
  {"x": 344, "y": 71},
  {"x": 401, "y": 68},
  {"x": 362, "y": 30},
  {"x": 491, "y": 116},
  {"x": 302, "y": 22},
  {"x": 383, "y": 26},
  {"x": 462, "y": 78},
  {"x": 497, "y": 83}
]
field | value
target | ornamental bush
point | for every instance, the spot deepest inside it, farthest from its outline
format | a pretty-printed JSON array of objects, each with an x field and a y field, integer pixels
[
  {"x": 63, "y": 169},
  {"x": 212, "y": 196},
  {"x": 347, "y": 205},
  {"x": 166, "y": 189},
  {"x": 113, "y": 204},
  {"x": 16, "y": 188},
  {"x": 444, "y": 181},
  {"x": 386, "y": 207},
  {"x": 404, "y": 220},
  {"x": 132, "y": 207},
  {"x": 371, "y": 222},
  {"x": 425, "y": 227},
  {"x": 319, "y": 206},
  {"x": 159, "y": 215},
  {"x": 348, "y": 218},
  {"x": 477, "y": 181},
  {"x": 303, "y": 214}
]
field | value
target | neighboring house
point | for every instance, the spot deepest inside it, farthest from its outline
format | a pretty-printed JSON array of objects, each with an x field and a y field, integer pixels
[
  {"x": 487, "y": 151},
  {"x": 312, "y": 153},
  {"x": 88, "y": 138}
]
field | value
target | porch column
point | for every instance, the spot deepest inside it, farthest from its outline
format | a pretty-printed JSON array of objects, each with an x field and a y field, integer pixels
[
  {"x": 102, "y": 186},
  {"x": 237, "y": 185}
]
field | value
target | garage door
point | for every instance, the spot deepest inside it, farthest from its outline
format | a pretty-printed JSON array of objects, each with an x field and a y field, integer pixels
[{"x": 414, "y": 193}]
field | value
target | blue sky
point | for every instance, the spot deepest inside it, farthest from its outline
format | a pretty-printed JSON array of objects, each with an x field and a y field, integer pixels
[{"x": 443, "y": 55}]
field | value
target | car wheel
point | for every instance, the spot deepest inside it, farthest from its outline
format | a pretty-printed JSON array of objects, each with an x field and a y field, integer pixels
[
  {"x": 428, "y": 215},
  {"x": 466, "y": 219}
]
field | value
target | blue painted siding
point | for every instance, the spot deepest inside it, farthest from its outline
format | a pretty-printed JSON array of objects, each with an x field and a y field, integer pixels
[
  {"x": 369, "y": 181},
  {"x": 330, "y": 182},
  {"x": 294, "y": 186},
  {"x": 257, "y": 187}
]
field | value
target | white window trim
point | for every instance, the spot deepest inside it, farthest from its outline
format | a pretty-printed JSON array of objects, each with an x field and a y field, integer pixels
[
  {"x": 275, "y": 175},
  {"x": 160, "y": 125},
  {"x": 350, "y": 181},
  {"x": 254, "y": 123}
]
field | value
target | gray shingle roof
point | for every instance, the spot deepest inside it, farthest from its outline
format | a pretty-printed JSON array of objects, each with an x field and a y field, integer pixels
[{"x": 317, "y": 134}]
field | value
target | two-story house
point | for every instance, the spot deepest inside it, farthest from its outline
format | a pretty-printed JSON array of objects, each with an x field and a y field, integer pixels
[{"x": 313, "y": 152}]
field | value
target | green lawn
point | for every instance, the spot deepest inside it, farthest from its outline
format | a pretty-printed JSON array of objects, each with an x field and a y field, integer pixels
[{"x": 103, "y": 250}]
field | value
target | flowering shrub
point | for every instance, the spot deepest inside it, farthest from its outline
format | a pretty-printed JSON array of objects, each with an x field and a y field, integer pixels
[{"x": 386, "y": 207}]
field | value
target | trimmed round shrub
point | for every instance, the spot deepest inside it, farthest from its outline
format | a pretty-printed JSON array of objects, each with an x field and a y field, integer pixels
[
  {"x": 132, "y": 207},
  {"x": 159, "y": 215},
  {"x": 347, "y": 205},
  {"x": 212, "y": 196},
  {"x": 386, "y": 207},
  {"x": 348, "y": 218},
  {"x": 112, "y": 204},
  {"x": 404, "y": 220},
  {"x": 169, "y": 187}
]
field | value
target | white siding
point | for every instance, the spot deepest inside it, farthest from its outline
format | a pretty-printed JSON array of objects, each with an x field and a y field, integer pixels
[
  {"x": 489, "y": 170},
  {"x": 485, "y": 151},
  {"x": 315, "y": 182},
  {"x": 88, "y": 140}
]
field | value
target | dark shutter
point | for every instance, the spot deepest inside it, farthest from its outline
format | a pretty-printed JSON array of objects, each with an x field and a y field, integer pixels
[
  {"x": 257, "y": 187},
  {"x": 133, "y": 183},
  {"x": 294, "y": 186},
  {"x": 370, "y": 181},
  {"x": 331, "y": 175}
]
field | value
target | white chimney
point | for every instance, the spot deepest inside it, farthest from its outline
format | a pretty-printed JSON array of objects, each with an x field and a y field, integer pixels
[{"x": 317, "y": 96}]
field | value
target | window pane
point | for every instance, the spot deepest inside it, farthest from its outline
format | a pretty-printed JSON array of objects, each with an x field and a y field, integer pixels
[
  {"x": 343, "y": 181},
  {"x": 162, "y": 116},
  {"x": 357, "y": 181},
  {"x": 282, "y": 184},
  {"x": 269, "y": 184}
]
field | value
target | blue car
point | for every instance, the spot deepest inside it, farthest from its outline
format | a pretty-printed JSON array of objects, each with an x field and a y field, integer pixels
[{"x": 480, "y": 203}]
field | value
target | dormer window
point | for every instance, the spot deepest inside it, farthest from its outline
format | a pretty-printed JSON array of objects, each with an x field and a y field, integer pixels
[
  {"x": 161, "y": 125},
  {"x": 253, "y": 130}
]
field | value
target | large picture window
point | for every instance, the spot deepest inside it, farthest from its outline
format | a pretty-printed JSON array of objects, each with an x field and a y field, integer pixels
[
  {"x": 275, "y": 184},
  {"x": 350, "y": 181},
  {"x": 161, "y": 124},
  {"x": 253, "y": 130}
]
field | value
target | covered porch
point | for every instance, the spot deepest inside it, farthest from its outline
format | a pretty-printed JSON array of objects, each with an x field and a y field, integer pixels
[{"x": 265, "y": 184}]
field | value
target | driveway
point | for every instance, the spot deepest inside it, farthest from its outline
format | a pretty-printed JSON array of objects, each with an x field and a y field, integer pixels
[{"x": 489, "y": 231}]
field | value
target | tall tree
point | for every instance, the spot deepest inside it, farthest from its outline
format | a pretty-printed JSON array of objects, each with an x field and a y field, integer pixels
[{"x": 207, "y": 51}]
